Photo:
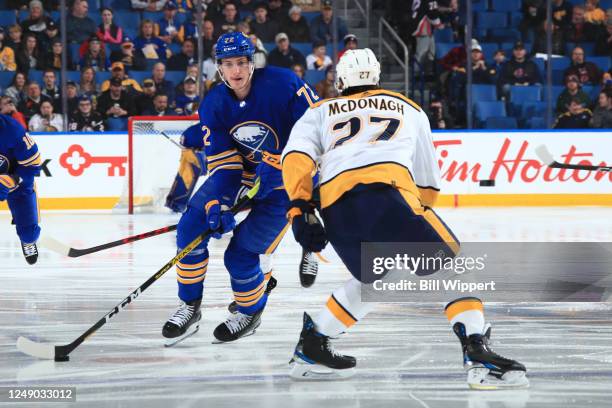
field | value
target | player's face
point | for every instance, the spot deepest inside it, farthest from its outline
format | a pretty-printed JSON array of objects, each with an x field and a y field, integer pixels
[{"x": 236, "y": 71}]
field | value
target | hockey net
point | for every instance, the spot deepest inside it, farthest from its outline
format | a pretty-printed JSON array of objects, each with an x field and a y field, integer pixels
[{"x": 153, "y": 159}]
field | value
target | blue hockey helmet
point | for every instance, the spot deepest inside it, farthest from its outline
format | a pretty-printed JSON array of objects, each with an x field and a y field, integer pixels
[{"x": 234, "y": 44}]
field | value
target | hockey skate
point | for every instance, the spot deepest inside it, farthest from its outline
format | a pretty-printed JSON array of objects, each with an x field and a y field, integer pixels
[
  {"x": 30, "y": 251},
  {"x": 487, "y": 370},
  {"x": 236, "y": 326},
  {"x": 233, "y": 307},
  {"x": 185, "y": 322},
  {"x": 314, "y": 357},
  {"x": 309, "y": 267}
]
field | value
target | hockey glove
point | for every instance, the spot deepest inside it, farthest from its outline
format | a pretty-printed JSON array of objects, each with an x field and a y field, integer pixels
[
  {"x": 270, "y": 175},
  {"x": 219, "y": 218},
  {"x": 307, "y": 228},
  {"x": 7, "y": 184}
]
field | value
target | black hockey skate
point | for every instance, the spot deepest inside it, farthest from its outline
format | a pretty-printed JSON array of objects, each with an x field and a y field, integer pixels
[
  {"x": 236, "y": 326},
  {"x": 314, "y": 357},
  {"x": 487, "y": 370},
  {"x": 309, "y": 267},
  {"x": 185, "y": 322},
  {"x": 30, "y": 251},
  {"x": 233, "y": 307}
]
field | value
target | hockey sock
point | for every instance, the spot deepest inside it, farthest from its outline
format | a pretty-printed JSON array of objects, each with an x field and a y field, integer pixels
[
  {"x": 344, "y": 308},
  {"x": 469, "y": 311},
  {"x": 190, "y": 277}
]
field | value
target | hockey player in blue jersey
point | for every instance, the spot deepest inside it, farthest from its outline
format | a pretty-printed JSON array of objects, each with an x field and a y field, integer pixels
[
  {"x": 19, "y": 164},
  {"x": 245, "y": 123}
]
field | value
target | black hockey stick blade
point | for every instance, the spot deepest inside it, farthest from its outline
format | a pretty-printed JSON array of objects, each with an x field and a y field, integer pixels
[
  {"x": 548, "y": 159},
  {"x": 60, "y": 353},
  {"x": 63, "y": 249}
]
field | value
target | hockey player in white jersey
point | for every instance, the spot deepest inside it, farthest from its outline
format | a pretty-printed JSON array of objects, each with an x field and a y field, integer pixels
[{"x": 378, "y": 181}]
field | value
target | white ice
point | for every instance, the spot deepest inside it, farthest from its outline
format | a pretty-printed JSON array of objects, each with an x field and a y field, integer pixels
[{"x": 407, "y": 354}]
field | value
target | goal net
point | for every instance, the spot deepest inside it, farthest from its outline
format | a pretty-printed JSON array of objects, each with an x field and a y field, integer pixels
[{"x": 153, "y": 158}]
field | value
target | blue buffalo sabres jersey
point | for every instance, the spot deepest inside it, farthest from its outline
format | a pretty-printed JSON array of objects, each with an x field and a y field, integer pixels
[
  {"x": 236, "y": 133},
  {"x": 18, "y": 152}
]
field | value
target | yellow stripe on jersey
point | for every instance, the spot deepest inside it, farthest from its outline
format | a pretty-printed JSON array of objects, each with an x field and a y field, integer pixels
[
  {"x": 277, "y": 240},
  {"x": 340, "y": 312},
  {"x": 221, "y": 155},
  {"x": 7, "y": 181},
  {"x": 428, "y": 195},
  {"x": 462, "y": 305},
  {"x": 226, "y": 167},
  {"x": 234, "y": 159},
  {"x": 33, "y": 160},
  {"x": 388, "y": 173},
  {"x": 298, "y": 168}
]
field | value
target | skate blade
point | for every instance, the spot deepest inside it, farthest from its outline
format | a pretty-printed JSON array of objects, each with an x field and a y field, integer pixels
[
  {"x": 302, "y": 371},
  {"x": 479, "y": 379},
  {"x": 252, "y": 332},
  {"x": 175, "y": 340}
]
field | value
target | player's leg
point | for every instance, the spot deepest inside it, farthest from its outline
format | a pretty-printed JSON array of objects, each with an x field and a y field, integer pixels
[
  {"x": 259, "y": 233},
  {"x": 266, "y": 263},
  {"x": 23, "y": 204}
]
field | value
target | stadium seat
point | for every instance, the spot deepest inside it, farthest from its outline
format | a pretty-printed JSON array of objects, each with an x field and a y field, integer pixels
[
  {"x": 313, "y": 76},
  {"x": 592, "y": 91},
  {"x": 127, "y": 19},
  {"x": 488, "y": 49},
  {"x": 484, "y": 93},
  {"x": 152, "y": 15},
  {"x": 75, "y": 76},
  {"x": 479, "y": 5},
  {"x": 505, "y": 5},
  {"x": 541, "y": 66},
  {"x": 269, "y": 46},
  {"x": 304, "y": 48},
  {"x": 525, "y": 93},
  {"x": 120, "y": 5},
  {"x": 490, "y": 19},
  {"x": 7, "y": 18},
  {"x": 558, "y": 76},
  {"x": 444, "y": 35},
  {"x": 515, "y": 17},
  {"x": 35, "y": 75},
  {"x": 443, "y": 48},
  {"x": 536, "y": 123},
  {"x": 175, "y": 77},
  {"x": 603, "y": 63},
  {"x": 116, "y": 124},
  {"x": 6, "y": 77},
  {"x": 560, "y": 63},
  {"x": 175, "y": 48},
  {"x": 310, "y": 15},
  {"x": 588, "y": 47},
  {"x": 500, "y": 122},
  {"x": 556, "y": 91},
  {"x": 605, "y": 4},
  {"x": 486, "y": 109},
  {"x": 140, "y": 76},
  {"x": 533, "y": 109},
  {"x": 504, "y": 35}
]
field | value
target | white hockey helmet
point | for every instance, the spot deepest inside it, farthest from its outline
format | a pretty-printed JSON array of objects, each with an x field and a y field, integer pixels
[{"x": 357, "y": 68}]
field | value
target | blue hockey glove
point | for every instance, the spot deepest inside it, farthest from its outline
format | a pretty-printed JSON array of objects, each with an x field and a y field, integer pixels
[
  {"x": 219, "y": 218},
  {"x": 270, "y": 175},
  {"x": 307, "y": 228},
  {"x": 7, "y": 184}
]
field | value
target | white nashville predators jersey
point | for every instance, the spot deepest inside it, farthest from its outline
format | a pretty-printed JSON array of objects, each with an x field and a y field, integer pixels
[{"x": 370, "y": 137}]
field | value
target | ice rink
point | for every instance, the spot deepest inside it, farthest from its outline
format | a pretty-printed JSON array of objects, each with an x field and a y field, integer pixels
[{"x": 407, "y": 354}]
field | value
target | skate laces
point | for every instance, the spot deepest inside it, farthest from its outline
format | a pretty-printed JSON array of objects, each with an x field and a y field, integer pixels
[
  {"x": 329, "y": 347},
  {"x": 30, "y": 249},
  {"x": 237, "y": 322},
  {"x": 310, "y": 266},
  {"x": 182, "y": 315}
]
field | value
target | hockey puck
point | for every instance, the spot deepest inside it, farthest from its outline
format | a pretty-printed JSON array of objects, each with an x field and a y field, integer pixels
[
  {"x": 62, "y": 358},
  {"x": 487, "y": 183}
]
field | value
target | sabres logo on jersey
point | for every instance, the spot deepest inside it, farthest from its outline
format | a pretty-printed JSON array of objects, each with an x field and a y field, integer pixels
[
  {"x": 254, "y": 138},
  {"x": 4, "y": 165}
]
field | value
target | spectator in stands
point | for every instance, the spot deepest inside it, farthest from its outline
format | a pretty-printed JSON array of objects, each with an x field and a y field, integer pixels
[
  {"x": 278, "y": 12},
  {"x": 561, "y": 13},
  {"x": 586, "y": 72},
  {"x": 533, "y": 15},
  {"x": 420, "y": 24},
  {"x": 46, "y": 120},
  {"x": 151, "y": 46},
  {"x": 51, "y": 90},
  {"x": 36, "y": 22},
  {"x": 246, "y": 7},
  {"x": 130, "y": 85},
  {"x": 321, "y": 26},
  {"x": 499, "y": 59},
  {"x": 186, "y": 101},
  {"x": 167, "y": 28},
  {"x": 7, "y": 55},
  {"x": 148, "y": 5},
  {"x": 129, "y": 56},
  {"x": 603, "y": 42},
  {"x": 160, "y": 106},
  {"x": 53, "y": 60},
  {"x": 96, "y": 56},
  {"x": 50, "y": 35},
  {"x": 299, "y": 70},
  {"x": 518, "y": 71},
  {"x": 87, "y": 84},
  {"x": 162, "y": 85},
  {"x": 319, "y": 59},
  {"x": 28, "y": 56},
  {"x": 350, "y": 43},
  {"x": 215, "y": 9},
  {"x": 577, "y": 117},
  {"x": 187, "y": 56},
  {"x": 579, "y": 30},
  {"x": 284, "y": 55},
  {"x": 31, "y": 104},
  {"x": 108, "y": 32},
  {"x": 7, "y": 107},
  {"x": 84, "y": 118},
  {"x": 189, "y": 28},
  {"x": 592, "y": 13},
  {"x": 326, "y": 88},
  {"x": 209, "y": 70},
  {"x": 208, "y": 39},
  {"x": 18, "y": 89},
  {"x": 455, "y": 60},
  {"x": 572, "y": 90},
  {"x": 602, "y": 115},
  {"x": 72, "y": 96},
  {"x": 558, "y": 40},
  {"x": 115, "y": 103},
  {"x": 296, "y": 26},
  {"x": 15, "y": 37},
  {"x": 79, "y": 26},
  {"x": 228, "y": 21},
  {"x": 264, "y": 28},
  {"x": 143, "y": 102},
  {"x": 438, "y": 115}
]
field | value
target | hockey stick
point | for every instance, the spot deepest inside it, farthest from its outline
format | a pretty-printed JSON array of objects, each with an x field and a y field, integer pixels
[
  {"x": 174, "y": 142},
  {"x": 60, "y": 353},
  {"x": 63, "y": 249},
  {"x": 549, "y": 160}
]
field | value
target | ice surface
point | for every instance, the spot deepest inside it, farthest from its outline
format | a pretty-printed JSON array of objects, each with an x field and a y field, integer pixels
[{"x": 407, "y": 354}]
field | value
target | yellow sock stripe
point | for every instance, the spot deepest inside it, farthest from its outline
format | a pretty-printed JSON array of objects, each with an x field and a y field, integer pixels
[
  {"x": 277, "y": 240},
  {"x": 267, "y": 276},
  {"x": 191, "y": 267},
  {"x": 340, "y": 312},
  {"x": 251, "y": 301},
  {"x": 244, "y": 299},
  {"x": 461, "y": 306},
  {"x": 250, "y": 292},
  {"x": 190, "y": 274},
  {"x": 191, "y": 281}
]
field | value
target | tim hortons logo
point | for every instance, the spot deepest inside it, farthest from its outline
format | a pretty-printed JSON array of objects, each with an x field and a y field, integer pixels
[
  {"x": 76, "y": 160},
  {"x": 515, "y": 166}
]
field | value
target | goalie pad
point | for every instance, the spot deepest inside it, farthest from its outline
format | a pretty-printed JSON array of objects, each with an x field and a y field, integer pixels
[{"x": 192, "y": 165}]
